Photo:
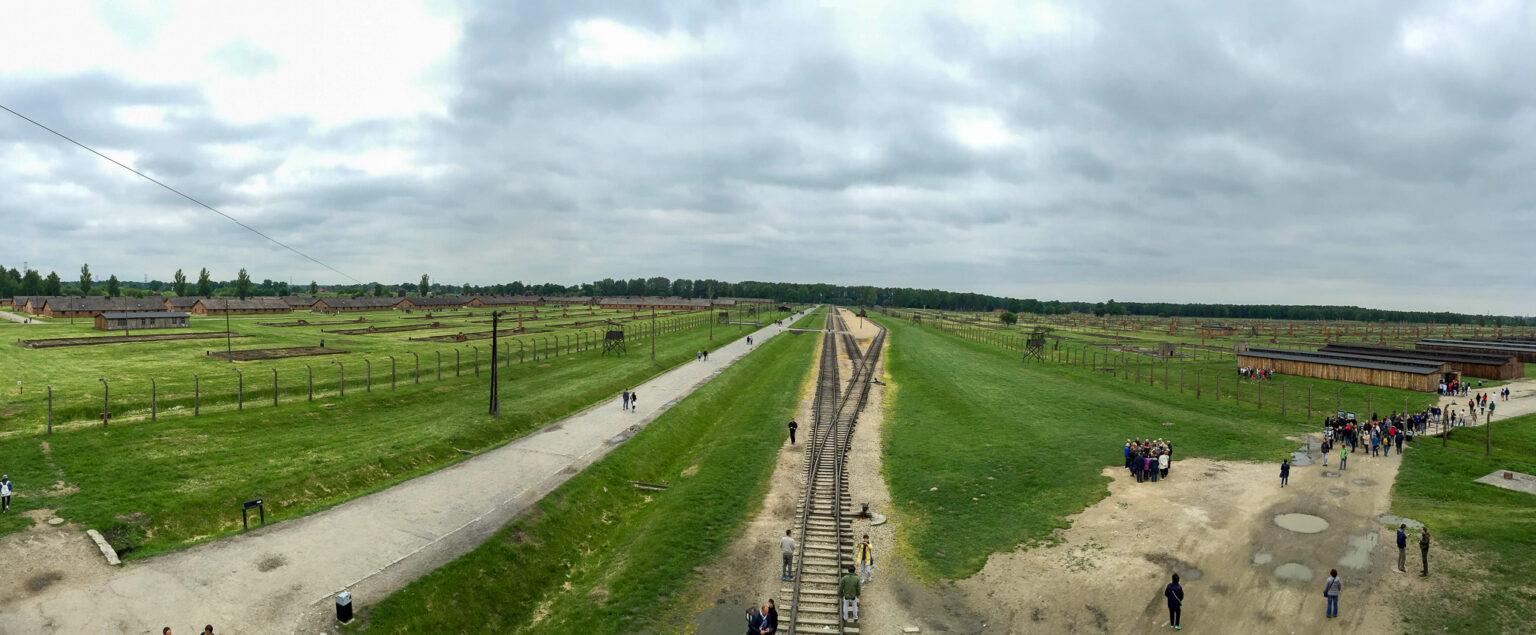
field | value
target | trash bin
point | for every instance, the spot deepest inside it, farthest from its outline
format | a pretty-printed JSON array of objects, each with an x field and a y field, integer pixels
[{"x": 344, "y": 607}]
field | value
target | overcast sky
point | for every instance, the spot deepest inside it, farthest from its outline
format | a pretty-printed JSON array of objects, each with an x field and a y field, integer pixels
[{"x": 1370, "y": 153}]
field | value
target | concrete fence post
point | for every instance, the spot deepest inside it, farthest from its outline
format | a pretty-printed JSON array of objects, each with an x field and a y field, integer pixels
[
  {"x": 309, "y": 372},
  {"x": 239, "y": 389},
  {"x": 197, "y": 400},
  {"x": 154, "y": 408},
  {"x": 274, "y": 386}
]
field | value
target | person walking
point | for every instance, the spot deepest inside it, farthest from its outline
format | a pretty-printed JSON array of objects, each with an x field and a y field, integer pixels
[
  {"x": 1327, "y": 445},
  {"x": 1343, "y": 457},
  {"x": 1285, "y": 471},
  {"x": 1402, "y": 548},
  {"x": 1175, "y": 595},
  {"x": 1424, "y": 550},
  {"x": 634, "y": 398},
  {"x": 848, "y": 590},
  {"x": 787, "y": 548},
  {"x": 5, "y": 493},
  {"x": 792, "y": 428},
  {"x": 1331, "y": 591},
  {"x": 1398, "y": 439},
  {"x": 865, "y": 555}
]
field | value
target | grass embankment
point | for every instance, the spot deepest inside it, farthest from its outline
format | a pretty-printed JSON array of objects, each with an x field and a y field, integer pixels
[
  {"x": 180, "y": 480},
  {"x": 1493, "y": 531},
  {"x": 814, "y": 320},
  {"x": 1015, "y": 448},
  {"x": 599, "y": 556}
]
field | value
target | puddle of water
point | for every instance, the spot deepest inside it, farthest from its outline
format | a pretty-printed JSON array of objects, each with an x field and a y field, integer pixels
[
  {"x": 1292, "y": 572},
  {"x": 1338, "y": 492},
  {"x": 1330, "y": 475},
  {"x": 1362, "y": 482},
  {"x": 1302, "y": 523},
  {"x": 1301, "y": 458},
  {"x": 1358, "y": 556},
  {"x": 1262, "y": 558},
  {"x": 1391, "y": 521},
  {"x": 1186, "y": 571}
]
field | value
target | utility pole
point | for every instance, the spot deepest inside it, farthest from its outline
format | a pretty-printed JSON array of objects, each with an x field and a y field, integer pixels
[
  {"x": 227, "y": 350},
  {"x": 495, "y": 398}
]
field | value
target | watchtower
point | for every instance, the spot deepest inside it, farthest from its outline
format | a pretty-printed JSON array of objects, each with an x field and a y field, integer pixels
[
  {"x": 1034, "y": 347},
  {"x": 614, "y": 342}
]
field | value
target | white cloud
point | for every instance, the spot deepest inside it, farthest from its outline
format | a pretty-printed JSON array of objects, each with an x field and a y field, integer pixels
[{"x": 603, "y": 42}]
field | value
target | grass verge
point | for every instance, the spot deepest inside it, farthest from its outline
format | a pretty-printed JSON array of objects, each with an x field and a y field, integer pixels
[
  {"x": 599, "y": 556},
  {"x": 1492, "y": 531}
]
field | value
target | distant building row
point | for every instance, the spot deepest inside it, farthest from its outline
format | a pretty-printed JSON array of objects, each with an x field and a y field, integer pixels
[{"x": 91, "y": 306}]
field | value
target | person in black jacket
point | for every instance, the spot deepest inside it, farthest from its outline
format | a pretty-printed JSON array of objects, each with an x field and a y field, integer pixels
[
  {"x": 1175, "y": 595},
  {"x": 770, "y": 619},
  {"x": 1285, "y": 471},
  {"x": 1402, "y": 548}
]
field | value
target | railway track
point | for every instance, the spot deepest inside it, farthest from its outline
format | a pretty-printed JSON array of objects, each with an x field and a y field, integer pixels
[{"x": 825, "y": 538}]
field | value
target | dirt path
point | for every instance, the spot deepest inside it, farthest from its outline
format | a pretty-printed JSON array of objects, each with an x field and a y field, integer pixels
[
  {"x": 1215, "y": 524},
  {"x": 281, "y": 578},
  {"x": 747, "y": 572},
  {"x": 1522, "y": 401}
]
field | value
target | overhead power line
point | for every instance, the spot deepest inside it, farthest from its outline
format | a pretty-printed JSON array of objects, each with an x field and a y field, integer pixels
[{"x": 179, "y": 193}]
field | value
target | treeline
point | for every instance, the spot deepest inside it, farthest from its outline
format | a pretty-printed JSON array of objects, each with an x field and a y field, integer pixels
[{"x": 13, "y": 282}]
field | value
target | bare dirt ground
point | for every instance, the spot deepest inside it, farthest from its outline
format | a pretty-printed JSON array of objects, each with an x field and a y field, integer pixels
[
  {"x": 68, "y": 555},
  {"x": 1213, "y": 522},
  {"x": 747, "y": 572}
]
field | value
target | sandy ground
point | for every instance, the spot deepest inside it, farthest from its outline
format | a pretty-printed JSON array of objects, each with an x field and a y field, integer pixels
[
  {"x": 1214, "y": 524},
  {"x": 748, "y": 571}
]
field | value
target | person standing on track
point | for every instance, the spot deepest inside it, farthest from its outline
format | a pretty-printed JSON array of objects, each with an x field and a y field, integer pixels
[
  {"x": 848, "y": 590},
  {"x": 792, "y": 428},
  {"x": 865, "y": 555},
  {"x": 787, "y": 547},
  {"x": 1175, "y": 595}
]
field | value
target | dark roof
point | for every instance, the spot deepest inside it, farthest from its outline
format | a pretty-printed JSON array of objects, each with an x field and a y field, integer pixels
[
  {"x": 146, "y": 314},
  {"x": 99, "y": 303},
  {"x": 299, "y": 300},
  {"x": 1492, "y": 359},
  {"x": 366, "y": 302},
  {"x": 569, "y": 298},
  {"x": 183, "y": 301},
  {"x": 495, "y": 300},
  {"x": 1393, "y": 364},
  {"x": 1491, "y": 345},
  {"x": 442, "y": 300},
  {"x": 236, "y": 304},
  {"x": 654, "y": 301}
]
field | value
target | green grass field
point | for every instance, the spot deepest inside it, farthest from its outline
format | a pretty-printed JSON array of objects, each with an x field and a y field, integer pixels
[
  {"x": 815, "y": 320},
  {"x": 74, "y": 372},
  {"x": 180, "y": 480},
  {"x": 1013, "y": 448},
  {"x": 1492, "y": 530},
  {"x": 599, "y": 556}
]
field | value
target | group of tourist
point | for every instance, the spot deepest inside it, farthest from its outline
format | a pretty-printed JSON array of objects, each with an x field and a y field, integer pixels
[
  {"x": 1255, "y": 374},
  {"x": 763, "y": 621},
  {"x": 629, "y": 400},
  {"x": 1482, "y": 403},
  {"x": 701, "y": 355},
  {"x": 1380, "y": 436},
  {"x": 1148, "y": 460},
  {"x": 848, "y": 586}
]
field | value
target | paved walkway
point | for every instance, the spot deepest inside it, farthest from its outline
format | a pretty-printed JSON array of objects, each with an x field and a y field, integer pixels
[{"x": 281, "y": 579}]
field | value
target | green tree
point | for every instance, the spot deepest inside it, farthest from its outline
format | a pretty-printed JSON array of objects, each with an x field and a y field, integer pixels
[
  {"x": 85, "y": 279},
  {"x": 378, "y": 290},
  {"x": 314, "y": 287},
  {"x": 114, "y": 289},
  {"x": 180, "y": 283},
  {"x": 243, "y": 284},
  {"x": 204, "y": 284},
  {"x": 1008, "y": 317},
  {"x": 31, "y": 283},
  {"x": 52, "y": 285},
  {"x": 426, "y": 285}
]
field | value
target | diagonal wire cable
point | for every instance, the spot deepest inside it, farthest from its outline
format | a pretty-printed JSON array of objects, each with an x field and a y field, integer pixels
[{"x": 179, "y": 193}]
